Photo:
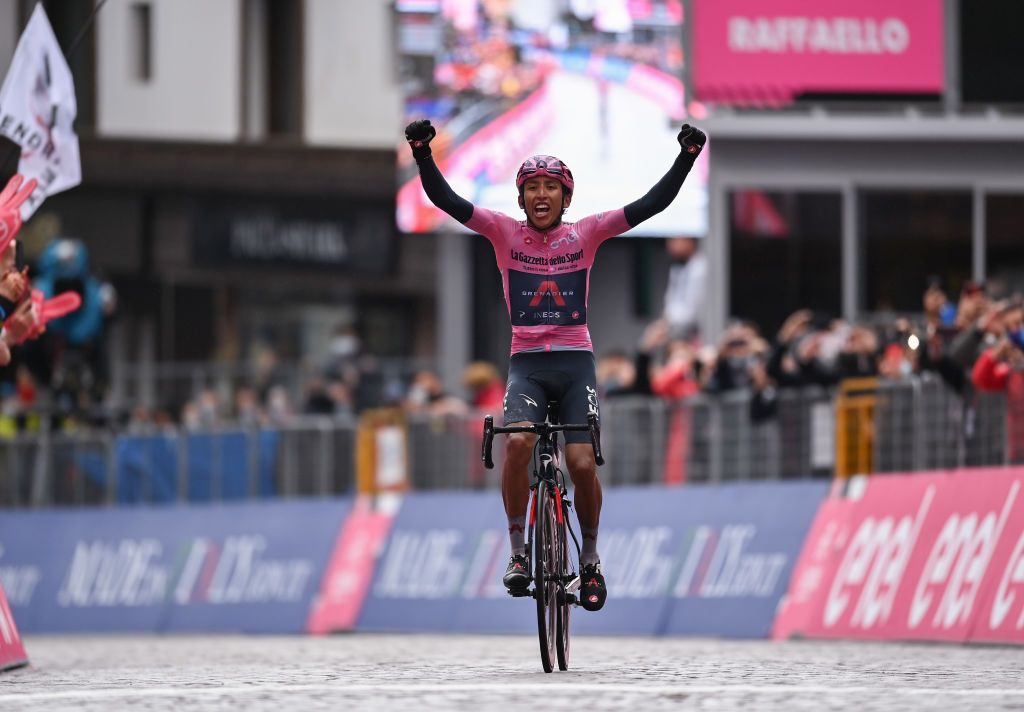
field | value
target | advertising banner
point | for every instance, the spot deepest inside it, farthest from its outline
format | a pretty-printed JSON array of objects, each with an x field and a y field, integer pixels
[
  {"x": 249, "y": 567},
  {"x": 752, "y": 52},
  {"x": 12, "y": 652},
  {"x": 707, "y": 560},
  {"x": 915, "y": 557}
]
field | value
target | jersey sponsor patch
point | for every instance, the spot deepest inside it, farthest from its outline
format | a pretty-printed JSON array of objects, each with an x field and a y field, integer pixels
[{"x": 548, "y": 299}]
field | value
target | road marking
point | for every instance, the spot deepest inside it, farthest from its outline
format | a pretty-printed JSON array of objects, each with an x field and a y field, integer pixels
[{"x": 518, "y": 686}]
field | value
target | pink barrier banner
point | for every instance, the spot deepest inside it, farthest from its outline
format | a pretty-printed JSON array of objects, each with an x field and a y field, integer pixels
[
  {"x": 937, "y": 556},
  {"x": 350, "y": 570},
  {"x": 752, "y": 52},
  {"x": 12, "y": 652}
]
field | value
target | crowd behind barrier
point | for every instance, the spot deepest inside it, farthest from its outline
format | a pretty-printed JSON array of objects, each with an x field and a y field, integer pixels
[
  {"x": 913, "y": 423},
  {"x": 822, "y": 397}
]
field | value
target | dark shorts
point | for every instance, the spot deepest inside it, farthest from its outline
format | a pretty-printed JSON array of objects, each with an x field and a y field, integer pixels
[{"x": 536, "y": 377}]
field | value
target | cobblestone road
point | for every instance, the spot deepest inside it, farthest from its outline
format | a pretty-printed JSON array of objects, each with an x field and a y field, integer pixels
[{"x": 208, "y": 673}]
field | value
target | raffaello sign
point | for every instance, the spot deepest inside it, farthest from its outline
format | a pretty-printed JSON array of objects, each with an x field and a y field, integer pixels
[
  {"x": 752, "y": 52},
  {"x": 915, "y": 557}
]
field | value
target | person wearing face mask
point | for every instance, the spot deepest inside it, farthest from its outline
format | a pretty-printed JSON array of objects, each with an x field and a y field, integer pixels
[
  {"x": 545, "y": 265},
  {"x": 684, "y": 296},
  {"x": 1000, "y": 369}
]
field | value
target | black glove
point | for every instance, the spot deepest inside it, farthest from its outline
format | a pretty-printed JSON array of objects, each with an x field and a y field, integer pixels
[
  {"x": 419, "y": 134},
  {"x": 691, "y": 138}
]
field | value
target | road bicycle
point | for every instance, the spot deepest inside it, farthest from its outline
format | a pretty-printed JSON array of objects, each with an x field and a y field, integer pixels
[{"x": 555, "y": 579}]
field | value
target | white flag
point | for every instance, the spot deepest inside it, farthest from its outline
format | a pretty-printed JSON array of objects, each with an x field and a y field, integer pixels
[{"x": 37, "y": 112}]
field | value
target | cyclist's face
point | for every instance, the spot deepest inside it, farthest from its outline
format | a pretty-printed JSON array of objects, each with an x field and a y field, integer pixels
[{"x": 543, "y": 201}]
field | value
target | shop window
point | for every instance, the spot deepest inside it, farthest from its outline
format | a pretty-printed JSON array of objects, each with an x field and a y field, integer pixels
[
  {"x": 785, "y": 254},
  {"x": 1004, "y": 240},
  {"x": 911, "y": 238}
]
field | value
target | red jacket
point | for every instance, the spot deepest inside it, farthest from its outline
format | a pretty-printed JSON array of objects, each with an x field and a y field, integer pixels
[{"x": 989, "y": 374}]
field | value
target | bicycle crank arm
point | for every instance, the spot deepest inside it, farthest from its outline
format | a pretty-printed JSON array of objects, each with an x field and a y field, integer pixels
[{"x": 573, "y": 586}]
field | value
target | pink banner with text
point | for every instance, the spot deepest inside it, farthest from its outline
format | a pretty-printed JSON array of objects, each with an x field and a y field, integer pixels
[
  {"x": 752, "y": 52},
  {"x": 937, "y": 556},
  {"x": 12, "y": 652}
]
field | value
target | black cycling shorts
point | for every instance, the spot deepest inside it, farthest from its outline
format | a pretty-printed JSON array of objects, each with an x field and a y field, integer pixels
[{"x": 537, "y": 377}]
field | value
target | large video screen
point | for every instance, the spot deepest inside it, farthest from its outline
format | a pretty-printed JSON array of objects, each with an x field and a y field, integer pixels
[{"x": 597, "y": 83}]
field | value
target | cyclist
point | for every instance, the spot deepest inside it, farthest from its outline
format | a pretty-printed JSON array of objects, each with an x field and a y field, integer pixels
[{"x": 545, "y": 266}]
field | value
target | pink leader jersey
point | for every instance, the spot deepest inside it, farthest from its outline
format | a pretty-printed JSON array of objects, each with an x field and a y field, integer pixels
[{"x": 546, "y": 276}]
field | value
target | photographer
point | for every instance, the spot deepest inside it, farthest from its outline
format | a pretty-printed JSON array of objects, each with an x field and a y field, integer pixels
[{"x": 1000, "y": 369}]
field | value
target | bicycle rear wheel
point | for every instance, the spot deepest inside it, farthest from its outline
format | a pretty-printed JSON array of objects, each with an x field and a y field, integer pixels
[{"x": 545, "y": 572}]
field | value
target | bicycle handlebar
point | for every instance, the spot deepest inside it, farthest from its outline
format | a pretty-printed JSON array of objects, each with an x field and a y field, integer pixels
[{"x": 540, "y": 429}]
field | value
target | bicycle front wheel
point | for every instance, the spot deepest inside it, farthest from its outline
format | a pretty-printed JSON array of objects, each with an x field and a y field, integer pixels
[
  {"x": 545, "y": 574},
  {"x": 562, "y": 564}
]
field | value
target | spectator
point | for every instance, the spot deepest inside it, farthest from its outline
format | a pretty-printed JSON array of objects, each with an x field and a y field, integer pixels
[
  {"x": 805, "y": 351},
  {"x": 936, "y": 354},
  {"x": 427, "y": 395},
  {"x": 616, "y": 373},
  {"x": 279, "y": 406},
  {"x": 739, "y": 350},
  {"x": 486, "y": 387},
  {"x": 318, "y": 401},
  {"x": 684, "y": 296},
  {"x": 859, "y": 355},
  {"x": 676, "y": 377},
  {"x": 247, "y": 408},
  {"x": 1001, "y": 369}
]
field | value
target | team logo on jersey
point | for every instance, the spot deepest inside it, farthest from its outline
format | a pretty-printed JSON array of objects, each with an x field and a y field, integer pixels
[
  {"x": 570, "y": 237},
  {"x": 548, "y": 288},
  {"x": 529, "y": 401},
  {"x": 547, "y": 299}
]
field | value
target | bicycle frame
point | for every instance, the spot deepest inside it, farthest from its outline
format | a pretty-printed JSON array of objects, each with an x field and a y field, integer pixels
[{"x": 555, "y": 580}]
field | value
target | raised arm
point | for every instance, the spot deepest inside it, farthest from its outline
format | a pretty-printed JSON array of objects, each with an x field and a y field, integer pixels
[
  {"x": 419, "y": 134},
  {"x": 691, "y": 141}
]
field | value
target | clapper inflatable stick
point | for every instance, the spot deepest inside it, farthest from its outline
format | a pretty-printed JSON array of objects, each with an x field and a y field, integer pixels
[{"x": 11, "y": 200}]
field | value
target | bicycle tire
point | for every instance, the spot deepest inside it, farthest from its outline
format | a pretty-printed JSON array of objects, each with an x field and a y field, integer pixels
[
  {"x": 564, "y": 609},
  {"x": 545, "y": 586}
]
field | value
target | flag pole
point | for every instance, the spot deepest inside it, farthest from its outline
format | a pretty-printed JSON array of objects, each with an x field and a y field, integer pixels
[{"x": 15, "y": 150}]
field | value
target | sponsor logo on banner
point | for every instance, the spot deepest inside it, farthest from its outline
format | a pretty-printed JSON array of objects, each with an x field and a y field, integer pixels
[
  {"x": 133, "y": 572},
  {"x": 704, "y": 560},
  {"x": 1009, "y": 595},
  {"x": 442, "y": 563},
  {"x": 719, "y": 565},
  {"x": 957, "y": 565},
  {"x": 926, "y": 557},
  {"x": 19, "y": 582},
  {"x": 641, "y": 563},
  {"x": 244, "y": 567},
  {"x": 872, "y": 569}
]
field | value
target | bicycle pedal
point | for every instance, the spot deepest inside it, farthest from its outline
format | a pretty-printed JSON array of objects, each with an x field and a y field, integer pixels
[
  {"x": 520, "y": 592},
  {"x": 571, "y": 599}
]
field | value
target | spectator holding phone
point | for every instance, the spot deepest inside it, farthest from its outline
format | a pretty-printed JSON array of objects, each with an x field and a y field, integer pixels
[{"x": 1000, "y": 369}]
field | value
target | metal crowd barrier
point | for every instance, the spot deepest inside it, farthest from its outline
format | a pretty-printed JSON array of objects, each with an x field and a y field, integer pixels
[
  {"x": 870, "y": 426},
  {"x": 314, "y": 456},
  {"x": 923, "y": 424}
]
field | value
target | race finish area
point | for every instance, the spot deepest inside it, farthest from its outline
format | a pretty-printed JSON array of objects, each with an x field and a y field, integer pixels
[{"x": 93, "y": 673}]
